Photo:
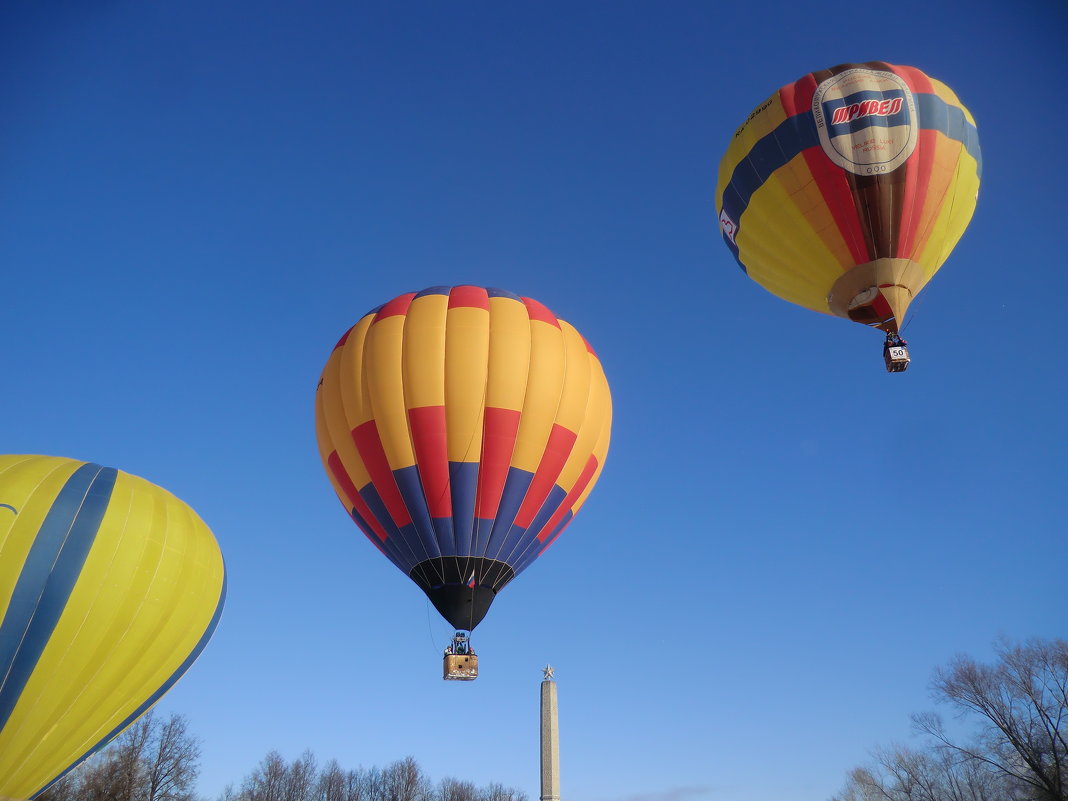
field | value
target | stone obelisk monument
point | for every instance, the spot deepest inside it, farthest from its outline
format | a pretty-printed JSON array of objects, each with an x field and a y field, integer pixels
[{"x": 550, "y": 739}]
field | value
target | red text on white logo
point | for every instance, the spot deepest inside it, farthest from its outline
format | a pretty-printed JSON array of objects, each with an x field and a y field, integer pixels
[{"x": 867, "y": 108}]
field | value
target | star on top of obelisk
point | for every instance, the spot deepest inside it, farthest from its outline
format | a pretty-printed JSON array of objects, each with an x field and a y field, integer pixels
[{"x": 548, "y": 671}]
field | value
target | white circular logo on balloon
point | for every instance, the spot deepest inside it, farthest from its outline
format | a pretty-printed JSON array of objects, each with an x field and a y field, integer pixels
[{"x": 866, "y": 120}]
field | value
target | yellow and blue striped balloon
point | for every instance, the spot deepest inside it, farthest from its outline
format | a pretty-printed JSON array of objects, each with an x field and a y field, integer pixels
[
  {"x": 846, "y": 190},
  {"x": 110, "y": 587},
  {"x": 462, "y": 428}
]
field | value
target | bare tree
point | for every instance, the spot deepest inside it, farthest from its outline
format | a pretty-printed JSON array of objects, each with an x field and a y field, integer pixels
[
  {"x": 1019, "y": 751},
  {"x": 171, "y": 762},
  {"x": 404, "y": 781},
  {"x": 456, "y": 790},
  {"x": 1021, "y": 705},
  {"x": 152, "y": 760},
  {"x": 101, "y": 779},
  {"x": 331, "y": 783},
  {"x": 126, "y": 771},
  {"x": 301, "y": 778},
  {"x": 355, "y": 786},
  {"x": 900, "y": 773},
  {"x": 275, "y": 780},
  {"x": 267, "y": 781},
  {"x": 372, "y": 784},
  {"x": 64, "y": 789},
  {"x": 498, "y": 792}
]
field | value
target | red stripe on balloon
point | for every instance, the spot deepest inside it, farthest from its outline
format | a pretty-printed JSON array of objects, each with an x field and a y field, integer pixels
[
  {"x": 837, "y": 191},
  {"x": 471, "y": 297},
  {"x": 832, "y": 180},
  {"x": 369, "y": 444},
  {"x": 796, "y": 98},
  {"x": 561, "y": 441},
  {"x": 536, "y": 311},
  {"x": 397, "y": 306},
  {"x": 431, "y": 444},
  {"x": 881, "y": 306},
  {"x": 917, "y": 169},
  {"x": 498, "y": 442},
  {"x": 344, "y": 338},
  {"x": 337, "y": 469},
  {"x": 917, "y": 177},
  {"x": 914, "y": 78},
  {"x": 580, "y": 486}
]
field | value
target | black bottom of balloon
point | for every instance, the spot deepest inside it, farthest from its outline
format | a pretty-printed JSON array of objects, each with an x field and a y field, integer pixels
[
  {"x": 461, "y": 588},
  {"x": 464, "y": 607}
]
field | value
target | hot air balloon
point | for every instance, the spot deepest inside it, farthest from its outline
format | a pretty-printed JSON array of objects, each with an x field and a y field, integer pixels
[
  {"x": 462, "y": 429},
  {"x": 110, "y": 587},
  {"x": 845, "y": 191}
]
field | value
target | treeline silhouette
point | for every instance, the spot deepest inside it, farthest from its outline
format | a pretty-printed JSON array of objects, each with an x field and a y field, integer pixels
[
  {"x": 159, "y": 760},
  {"x": 1009, "y": 742},
  {"x": 301, "y": 780}
]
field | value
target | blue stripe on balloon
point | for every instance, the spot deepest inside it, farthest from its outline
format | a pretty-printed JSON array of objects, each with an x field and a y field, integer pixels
[
  {"x": 536, "y": 551},
  {"x": 389, "y": 546},
  {"x": 443, "y": 534},
  {"x": 530, "y": 553},
  {"x": 770, "y": 152},
  {"x": 411, "y": 490},
  {"x": 798, "y": 133},
  {"x": 548, "y": 509},
  {"x": 433, "y": 290},
  {"x": 513, "y": 545},
  {"x": 395, "y": 545},
  {"x": 480, "y": 539},
  {"x": 559, "y": 527},
  {"x": 364, "y": 526},
  {"x": 409, "y": 535},
  {"x": 47, "y": 579},
  {"x": 937, "y": 115},
  {"x": 521, "y": 542},
  {"x": 493, "y": 292},
  {"x": 144, "y": 707},
  {"x": 463, "y": 483},
  {"x": 515, "y": 489},
  {"x": 524, "y": 562}
]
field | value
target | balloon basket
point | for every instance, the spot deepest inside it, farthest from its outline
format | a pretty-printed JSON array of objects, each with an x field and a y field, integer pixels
[
  {"x": 895, "y": 355},
  {"x": 460, "y": 667}
]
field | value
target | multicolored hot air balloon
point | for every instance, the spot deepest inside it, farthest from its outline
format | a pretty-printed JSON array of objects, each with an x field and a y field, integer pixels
[
  {"x": 846, "y": 190},
  {"x": 462, "y": 428},
  {"x": 110, "y": 587}
]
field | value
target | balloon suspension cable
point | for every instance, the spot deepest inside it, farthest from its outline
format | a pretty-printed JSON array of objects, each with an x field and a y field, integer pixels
[
  {"x": 915, "y": 310},
  {"x": 430, "y": 627}
]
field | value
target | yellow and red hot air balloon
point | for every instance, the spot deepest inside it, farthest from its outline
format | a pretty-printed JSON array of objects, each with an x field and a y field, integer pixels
[
  {"x": 110, "y": 587},
  {"x": 462, "y": 428},
  {"x": 845, "y": 191}
]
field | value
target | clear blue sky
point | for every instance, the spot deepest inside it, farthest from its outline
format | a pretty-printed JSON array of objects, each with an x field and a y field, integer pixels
[{"x": 198, "y": 198}]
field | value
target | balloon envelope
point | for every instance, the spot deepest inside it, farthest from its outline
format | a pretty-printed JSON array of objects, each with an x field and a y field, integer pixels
[
  {"x": 110, "y": 587},
  {"x": 462, "y": 428},
  {"x": 846, "y": 190}
]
